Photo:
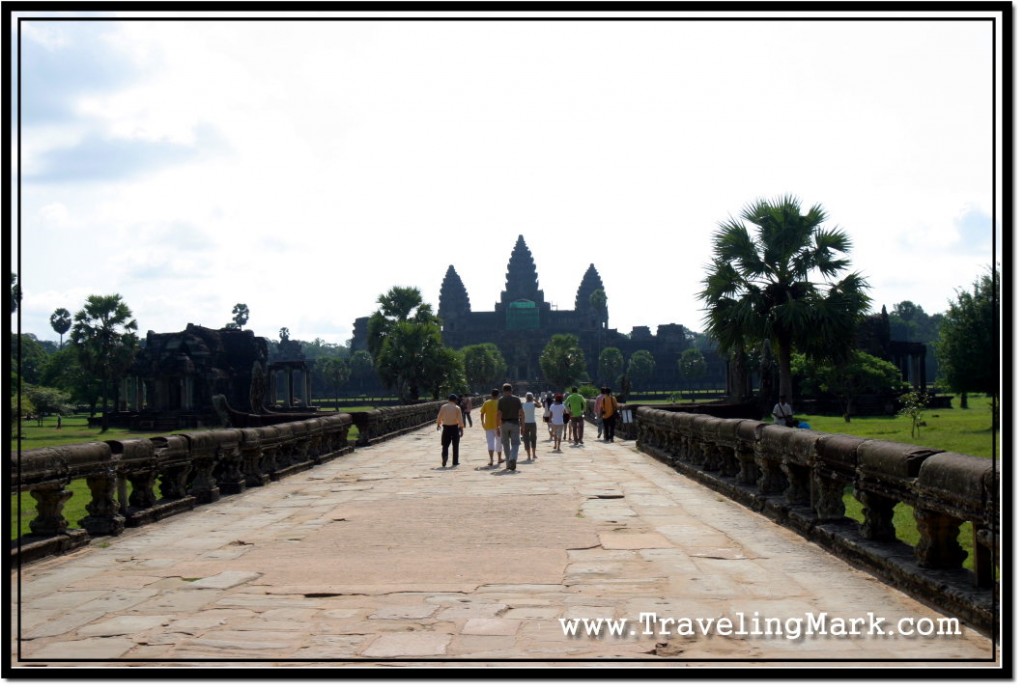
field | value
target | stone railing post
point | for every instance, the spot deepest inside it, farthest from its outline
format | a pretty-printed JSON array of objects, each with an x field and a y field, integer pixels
[
  {"x": 835, "y": 467},
  {"x": 886, "y": 472},
  {"x": 173, "y": 466},
  {"x": 252, "y": 456},
  {"x": 202, "y": 449},
  {"x": 952, "y": 489},
  {"x": 748, "y": 435},
  {"x": 721, "y": 432},
  {"x": 104, "y": 517},
  {"x": 95, "y": 462},
  {"x": 136, "y": 462},
  {"x": 768, "y": 456},
  {"x": 50, "y": 499},
  {"x": 228, "y": 463}
]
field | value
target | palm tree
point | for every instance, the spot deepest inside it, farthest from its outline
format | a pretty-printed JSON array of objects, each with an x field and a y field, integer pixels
[
  {"x": 60, "y": 320},
  {"x": 762, "y": 285},
  {"x": 104, "y": 336},
  {"x": 240, "y": 314}
]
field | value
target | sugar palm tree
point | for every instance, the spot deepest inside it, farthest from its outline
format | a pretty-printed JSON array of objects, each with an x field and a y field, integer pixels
[
  {"x": 762, "y": 284},
  {"x": 60, "y": 320},
  {"x": 104, "y": 338}
]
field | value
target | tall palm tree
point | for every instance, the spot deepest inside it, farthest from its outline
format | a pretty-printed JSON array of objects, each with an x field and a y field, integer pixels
[
  {"x": 104, "y": 336},
  {"x": 239, "y": 316},
  {"x": 60, "y": 320},
  {"x": 762, "y": 285}
]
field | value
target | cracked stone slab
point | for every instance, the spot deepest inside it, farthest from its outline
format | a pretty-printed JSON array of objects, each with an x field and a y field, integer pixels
[
  {"x": 404, "y": 612},
  {"x": 225, "y": 580},
  {"x": 634, "y": 541},
  {"x": 121, "y": 626},
  {"x": 409, "y": 644},
  {"x": 246, "y": 640},
  {"x": 721, "y": 553}
]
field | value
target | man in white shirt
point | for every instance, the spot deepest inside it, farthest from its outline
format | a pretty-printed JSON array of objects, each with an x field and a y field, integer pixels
[{"x": 783, "y": 412}]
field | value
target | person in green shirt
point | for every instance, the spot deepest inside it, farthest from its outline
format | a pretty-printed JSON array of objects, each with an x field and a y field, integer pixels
[{"x": 575, "y": 404}]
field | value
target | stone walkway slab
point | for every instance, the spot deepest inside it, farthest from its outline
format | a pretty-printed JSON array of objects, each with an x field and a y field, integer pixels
[{"x": 596, "y": 556}]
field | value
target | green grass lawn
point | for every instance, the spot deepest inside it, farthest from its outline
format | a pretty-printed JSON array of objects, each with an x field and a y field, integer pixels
[{"x": 967, "y": 431}]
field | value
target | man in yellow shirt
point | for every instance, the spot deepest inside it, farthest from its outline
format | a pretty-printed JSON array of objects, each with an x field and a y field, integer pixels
[
  {"x": 449, "y": 420},
  {"x": 491, "y": 423}
]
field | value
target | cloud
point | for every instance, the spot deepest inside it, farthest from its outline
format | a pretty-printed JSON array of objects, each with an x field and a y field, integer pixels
[
  {"x": 61, "y": 63},
  {"x": 97, "y": 157},
  {"x": 974, "y": 229}
]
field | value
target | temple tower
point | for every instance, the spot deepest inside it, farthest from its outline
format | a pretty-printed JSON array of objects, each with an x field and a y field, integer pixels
[
  {"x": 593, "y": 317},
  {"x": 454, "y": 299},
  {"x": 521, "y": 279}
]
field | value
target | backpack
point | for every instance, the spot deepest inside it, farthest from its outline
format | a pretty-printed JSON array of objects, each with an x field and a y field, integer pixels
[{"x": 608, "y": 406}]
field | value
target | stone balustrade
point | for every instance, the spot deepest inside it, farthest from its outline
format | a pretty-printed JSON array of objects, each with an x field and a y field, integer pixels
[
  {"x": 798, "y": 477},
  {"x": 382, "y": 424},
  {"x": 188, "y": 469}
]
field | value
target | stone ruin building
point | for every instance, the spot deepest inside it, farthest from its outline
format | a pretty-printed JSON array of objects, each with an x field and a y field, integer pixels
[{"x": 175, "y": 376}]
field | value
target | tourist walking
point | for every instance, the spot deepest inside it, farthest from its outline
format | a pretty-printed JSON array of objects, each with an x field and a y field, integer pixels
[
  {"x": 491, "y": 423},
  {"x": 466, "y": 403},
  {"x": 510, "y": 410},
  {"x": 609, "y": 412},
  {"x": 598, "y": 402},
  {"x": 575, "y": 404},
  {"x": 449, "y": 422},
  {"x": 548, "y": 400},
  {"x": 557, "y": 421},
  {"x": 530, "y": 426}
]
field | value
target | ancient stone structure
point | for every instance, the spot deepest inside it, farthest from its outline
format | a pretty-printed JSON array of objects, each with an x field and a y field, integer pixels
[
  {"x": 875, "y": 338},
  {"x": 176, "y": 376},
  {"x": 522, "y": 322}
]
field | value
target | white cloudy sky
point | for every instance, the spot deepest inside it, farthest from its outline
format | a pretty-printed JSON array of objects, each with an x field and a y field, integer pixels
[{"x": 304, "y": 168}]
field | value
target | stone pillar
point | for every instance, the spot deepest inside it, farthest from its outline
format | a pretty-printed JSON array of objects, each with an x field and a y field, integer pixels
[
  {"x": 204, "y": 486},
  {"x": 938, "y": 546},
  {"x": 878, "y": 512},
  {"x": 173, "y": 482},
  {"x": 142, "y": 495},
  {"x": 50, "y": 500},
  {"x": 827, "y": 490},
  {"x": 104, "y": 517}
]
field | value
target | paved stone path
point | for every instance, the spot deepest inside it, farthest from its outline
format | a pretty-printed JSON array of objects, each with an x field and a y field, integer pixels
[{"x": 382, "y": 557}]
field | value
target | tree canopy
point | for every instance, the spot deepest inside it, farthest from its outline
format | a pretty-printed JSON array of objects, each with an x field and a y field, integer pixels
[
  {"x": 781, "y": 281},
  {"x": 405, "y": 341},
  {"x": 641, "y": 369},
  {"x": 104, "y": 339},
  {"x": 562, "y": 361},
  {"x": 610, "y": 364},
  {"x": 240, "y": 316},
  {"x": 60, "y": 320},
  {"x": 967, "y": 338},
  {"x": 484, "y": 365}
]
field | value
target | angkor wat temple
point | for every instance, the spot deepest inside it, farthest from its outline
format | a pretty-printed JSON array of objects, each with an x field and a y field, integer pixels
[{"x": 522, "y": 322}]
